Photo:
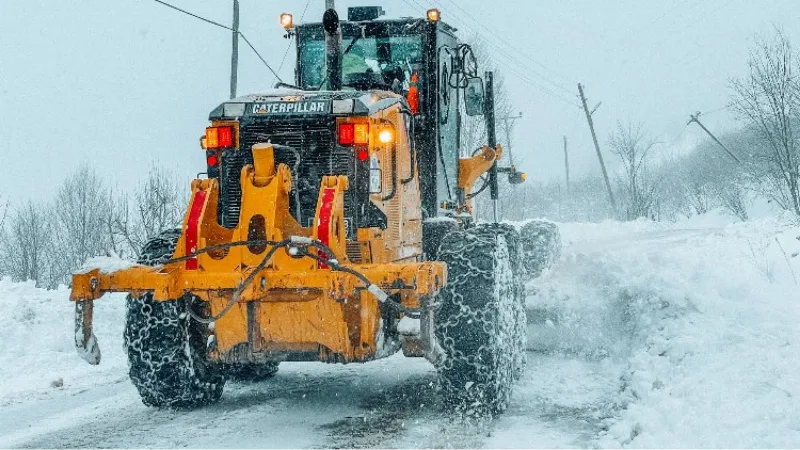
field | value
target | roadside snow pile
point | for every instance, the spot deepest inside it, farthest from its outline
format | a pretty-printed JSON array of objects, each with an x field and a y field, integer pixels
[
  {"x": 37, "y": 350},
  {"x": 707, "y": 319}
]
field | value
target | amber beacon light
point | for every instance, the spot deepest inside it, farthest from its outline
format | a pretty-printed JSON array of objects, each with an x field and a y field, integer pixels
[{"x": 287, "y": 21}]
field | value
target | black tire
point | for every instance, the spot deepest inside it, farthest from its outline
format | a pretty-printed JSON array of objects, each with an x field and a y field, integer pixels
[
  {"x": 433, "y": 231},
  {"x": 541, "y": 246},
  {"x": 251, "y": 372},
  {"x": 515, "y": 253},
  {"x": 475, "y": 322},
  {"x": 166, "y": 348},
  {"x": 160, "y": 248}
]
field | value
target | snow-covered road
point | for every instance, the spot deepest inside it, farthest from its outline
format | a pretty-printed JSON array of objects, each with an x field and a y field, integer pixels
[{"x": 643, "y": 334}]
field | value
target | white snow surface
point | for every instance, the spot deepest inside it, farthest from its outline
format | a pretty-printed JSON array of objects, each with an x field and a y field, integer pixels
[
  {"x": 704, "y": 314},
  {"x": 106, "y": 264},
  {"x": 643, "y": 335}
]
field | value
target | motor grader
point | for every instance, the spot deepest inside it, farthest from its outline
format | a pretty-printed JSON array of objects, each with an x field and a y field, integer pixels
[{"x": 334, "y": 223}]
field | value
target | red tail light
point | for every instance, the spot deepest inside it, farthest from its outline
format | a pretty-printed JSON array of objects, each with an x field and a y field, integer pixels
[
  {"x": 353, "y": 133},
  {"x": 413, "y": 94},
  {"x": 347, "y": 134},
  {"x": 212, "y": 160},
  {"x": 362, "y": 154},
  {"x": 219, "y": 137}
]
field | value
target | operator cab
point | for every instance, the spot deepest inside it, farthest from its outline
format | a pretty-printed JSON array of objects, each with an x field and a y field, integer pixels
[
  {"x": 375, "y": 54},
  {"x": 419, "y": 58}
]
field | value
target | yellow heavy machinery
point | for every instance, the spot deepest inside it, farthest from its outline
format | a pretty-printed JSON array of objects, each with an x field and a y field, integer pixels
[{"x": 334, "y": 224}]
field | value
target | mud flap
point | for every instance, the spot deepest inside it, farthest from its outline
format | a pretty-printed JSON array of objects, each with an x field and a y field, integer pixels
[{"x": 85, "y": 341}]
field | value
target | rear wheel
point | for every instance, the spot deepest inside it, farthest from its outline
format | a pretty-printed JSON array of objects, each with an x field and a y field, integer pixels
[
  {"x": 541, "y": 246},
  {"x": 476, "y": 321},
  {"x": 166, "y": 348},
  {"x": 251, "y": 372}
]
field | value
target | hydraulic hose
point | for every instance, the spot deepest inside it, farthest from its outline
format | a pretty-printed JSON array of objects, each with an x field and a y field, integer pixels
[{"x": 299, "y": 243}]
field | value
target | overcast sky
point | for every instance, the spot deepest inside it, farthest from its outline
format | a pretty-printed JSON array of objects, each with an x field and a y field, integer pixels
[{"x": 125, "y": 82}]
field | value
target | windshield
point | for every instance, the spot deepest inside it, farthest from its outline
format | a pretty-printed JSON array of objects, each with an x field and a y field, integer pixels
[{"x": 390, "y": 58}]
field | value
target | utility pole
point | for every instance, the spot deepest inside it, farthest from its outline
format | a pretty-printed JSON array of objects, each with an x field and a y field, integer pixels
[
  {"x": 597, "y": 148},
  {"x": 694, "y": 118},
  {"x": 329, "y": 4},
  {"x": 235, "y": 49},
  {"x": 566, "y": 164},
  {"x": 507, "y": 129}
]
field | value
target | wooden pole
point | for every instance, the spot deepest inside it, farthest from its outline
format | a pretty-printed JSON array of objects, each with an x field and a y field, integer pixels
[
  {"x": 566, "y": 164},
  {"x": 597, "y": 148},
  {"x": 235, "y": 49},
  {"x": 693, "y": 118}
]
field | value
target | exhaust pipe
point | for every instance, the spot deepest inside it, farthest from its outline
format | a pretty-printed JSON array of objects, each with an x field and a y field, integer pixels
[{"x": 333, "y": 47}]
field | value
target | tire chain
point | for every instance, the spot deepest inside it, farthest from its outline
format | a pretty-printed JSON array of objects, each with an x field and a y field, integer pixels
[
  {"x": 476, "y": 321},
  {"x": 520, "y": 334},
  {"x": 541, "y": 246},
  {"x": 166, "y": 349}
]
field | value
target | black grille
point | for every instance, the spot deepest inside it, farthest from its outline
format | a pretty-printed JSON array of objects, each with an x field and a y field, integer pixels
[{"x": 312, "y": 139}]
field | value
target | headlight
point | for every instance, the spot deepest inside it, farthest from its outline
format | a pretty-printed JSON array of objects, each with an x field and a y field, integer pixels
[{"x": 386, "y": 136}]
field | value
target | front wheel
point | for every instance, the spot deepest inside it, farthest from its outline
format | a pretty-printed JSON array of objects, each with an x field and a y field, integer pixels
[{"x": 476, "y": 321}]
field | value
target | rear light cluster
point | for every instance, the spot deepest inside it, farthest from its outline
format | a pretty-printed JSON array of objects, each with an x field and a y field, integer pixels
[
  {"x": 353, "y": 134},
  {"x": 219, "y": 137}
]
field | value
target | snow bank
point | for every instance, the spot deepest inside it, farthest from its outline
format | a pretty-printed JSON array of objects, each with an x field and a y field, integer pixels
[
  {"x": 37, "y": 350},
  {"x": 706, "y": 317}
]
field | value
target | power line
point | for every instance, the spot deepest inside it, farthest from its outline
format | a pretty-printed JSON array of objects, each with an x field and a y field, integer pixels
[
  {"x": 716, "y": 110},
  {"x": 194, "y": 15},
  {"x": 512, "y": 47},
  {"x": 508, "y": 60},
  {"x": 500, "y": 61},
  {"x": 289, "y": 45},
  {"x": 461, "y": 22},
  {"x": 226, "y": 28}
]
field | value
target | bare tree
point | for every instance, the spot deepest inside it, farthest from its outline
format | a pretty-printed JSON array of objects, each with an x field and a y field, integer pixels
[
  {"x": 81, "y": 209},
  {"x": 768, "y": 99},
  {"x": 473, "y": 134},
  {"x": 632, "y": 146},
  {"x": 159, "y": 204},
  {"x": 25, "y": 244},
  {"x": 3, "y": 213}
]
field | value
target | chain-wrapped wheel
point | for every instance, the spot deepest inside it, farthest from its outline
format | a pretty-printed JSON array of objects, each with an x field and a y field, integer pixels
[
  {"x": 166, "y": 348},
  {"x": 476, "y": 318},
  {"x": 515, "y": 254},
  {"x": 541, "y": 246}
]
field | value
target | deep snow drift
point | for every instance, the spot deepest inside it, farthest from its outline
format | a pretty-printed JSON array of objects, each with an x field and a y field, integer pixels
[
  {"x": 705, "y": 315},
  {"x": 643, "y": 334}
]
